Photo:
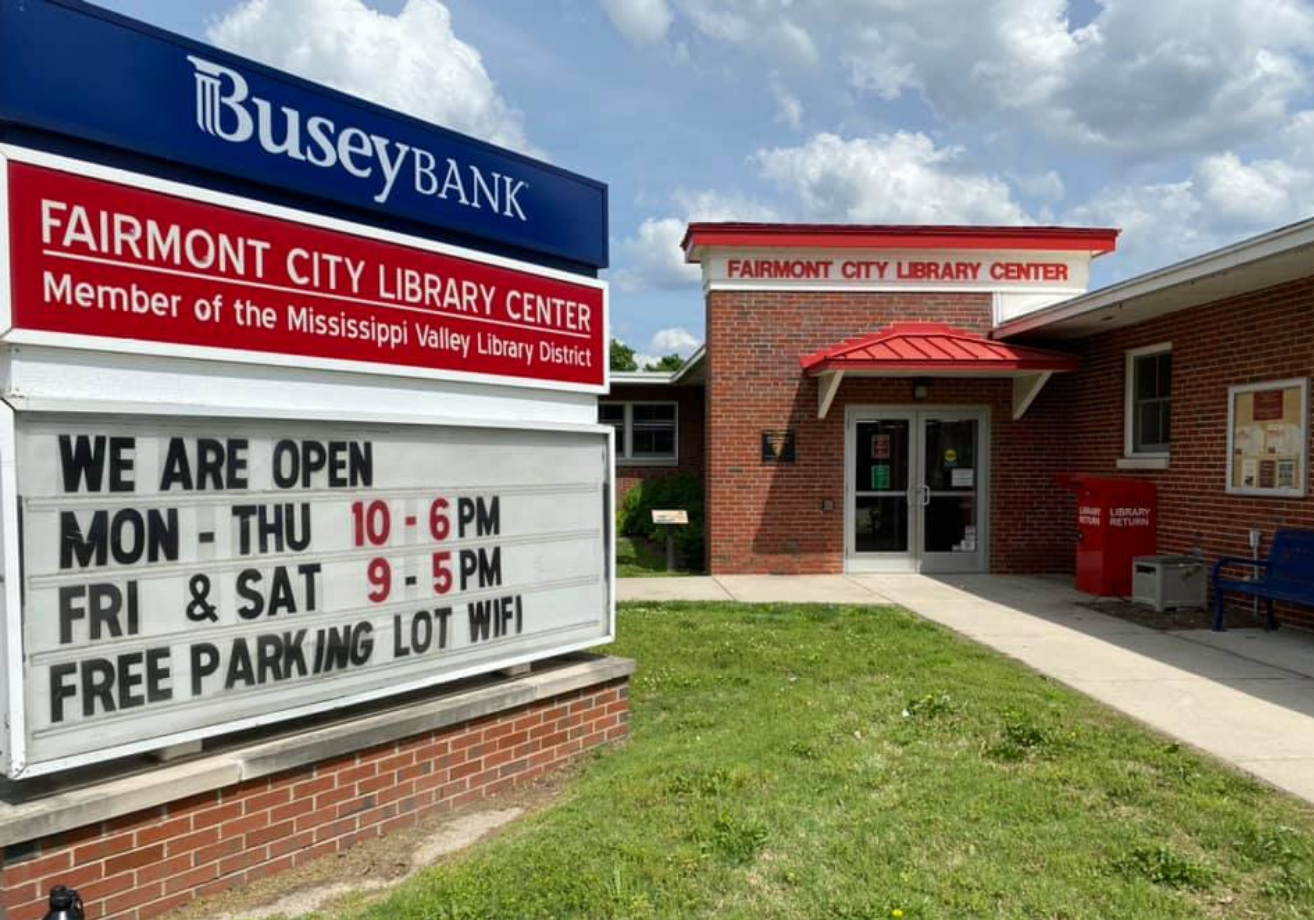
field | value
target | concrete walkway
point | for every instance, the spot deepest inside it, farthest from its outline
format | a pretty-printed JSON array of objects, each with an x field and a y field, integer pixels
[{"x": 1245, "y": 696}]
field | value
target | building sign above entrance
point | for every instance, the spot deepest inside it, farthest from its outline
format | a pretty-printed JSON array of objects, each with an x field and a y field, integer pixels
[{"x": 899, "y": 270}]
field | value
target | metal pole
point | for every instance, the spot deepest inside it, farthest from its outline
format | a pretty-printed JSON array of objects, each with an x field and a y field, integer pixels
[{"x": 670, "y": 549}]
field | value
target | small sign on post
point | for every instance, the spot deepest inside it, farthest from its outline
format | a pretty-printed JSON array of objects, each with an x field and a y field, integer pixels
[{"x": 669, "y": 519}]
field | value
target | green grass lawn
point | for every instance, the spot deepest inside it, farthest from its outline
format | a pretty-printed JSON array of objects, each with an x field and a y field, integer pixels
[
  {"x": 837, "y": 763},
  {"x": 637, "y": 558}
]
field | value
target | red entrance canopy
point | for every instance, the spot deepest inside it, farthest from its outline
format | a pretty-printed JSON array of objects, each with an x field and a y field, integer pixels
[
  {"x": 929, "y": 349},
  {"x": 933, "y": 350}
]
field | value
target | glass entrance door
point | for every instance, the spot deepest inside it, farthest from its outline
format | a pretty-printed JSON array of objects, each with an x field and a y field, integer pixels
[
  {"x": 882, "y": 489},
  {"x": 916, "y": 481},
  {"x": 949, "y": 510}
]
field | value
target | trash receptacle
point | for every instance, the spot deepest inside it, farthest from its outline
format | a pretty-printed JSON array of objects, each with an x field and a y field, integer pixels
[{"x": 1117, "y": 520}]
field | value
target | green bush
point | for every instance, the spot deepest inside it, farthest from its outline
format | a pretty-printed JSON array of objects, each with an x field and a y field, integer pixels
[{"x": 679, "y": 492}]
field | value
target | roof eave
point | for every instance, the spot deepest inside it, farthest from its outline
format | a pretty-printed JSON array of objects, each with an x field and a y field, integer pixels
[
  {"x": 690, "y": 365},
  {"x": 652, "y": 378},
  {"x": 934, "y": 368},
  {"x": 1190, "y": 271},
  {"x": 698, "y": 236}
]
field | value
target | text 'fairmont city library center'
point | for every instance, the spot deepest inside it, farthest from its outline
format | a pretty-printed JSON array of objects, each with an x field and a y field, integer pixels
[{"x": 949, "y": 399}]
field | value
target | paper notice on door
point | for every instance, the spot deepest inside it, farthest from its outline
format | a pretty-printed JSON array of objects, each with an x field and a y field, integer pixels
[
  {"x": 880, "y": 476},
  {"x": 962, "y": 478}
]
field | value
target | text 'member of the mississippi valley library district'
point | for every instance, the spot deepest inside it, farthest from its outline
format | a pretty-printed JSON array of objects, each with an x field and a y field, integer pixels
[{"x": 186, "y": 271}]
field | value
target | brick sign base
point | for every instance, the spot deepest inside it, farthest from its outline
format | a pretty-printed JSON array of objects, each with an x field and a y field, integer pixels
[{"x": 151, "y": 861}]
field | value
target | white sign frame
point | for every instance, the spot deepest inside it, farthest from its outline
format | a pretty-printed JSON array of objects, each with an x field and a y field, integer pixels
[
  {"x": 10, "y": 335},
  {"x": 1302, "y": 489},
  {"x": 14, "y": 751}
]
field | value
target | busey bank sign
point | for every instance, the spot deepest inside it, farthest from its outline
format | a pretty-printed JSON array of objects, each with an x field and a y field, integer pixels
[
  {"x": 227, "y": 109},
  {"x": 198, "y": 106}
]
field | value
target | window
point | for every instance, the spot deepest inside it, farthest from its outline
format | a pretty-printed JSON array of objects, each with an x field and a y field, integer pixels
[
  {"x": 1149, "y": 403},
  {"x": 613, "y": 414},
  {"x": 645, "y": 431}
]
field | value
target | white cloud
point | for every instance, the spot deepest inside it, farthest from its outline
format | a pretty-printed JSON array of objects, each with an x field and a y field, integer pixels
[
  {"x": 711, "y": 205},
  {"x": 1224, "y": 198},
  {"x": 1047, "y": 185},
  {"x": 1139, "y": 77},
  {"x": 764, "y": 25},
  {"x": 652, "y": 259},
  {"x": 889, "y": 178},
  {"x": 1297, "y": 138},
  {"x": 1260, "y": 192},
  {"x": 789, "y": 109},
  {"x": 1161, "y": 223},
  {"x": 675, "y": 340},
  {"x": 640, "y": 21},
  {"x": 412, "y": 61}
]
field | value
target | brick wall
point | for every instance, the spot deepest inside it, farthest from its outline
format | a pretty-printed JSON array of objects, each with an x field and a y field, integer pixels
[
  {"x": 769, "y": 518},
  {"x": 765, "y": 518},
  {"x": 690, "y": 433},
  {"x": 150, "y": 862},
  {"x": 1268, "y": 335}
]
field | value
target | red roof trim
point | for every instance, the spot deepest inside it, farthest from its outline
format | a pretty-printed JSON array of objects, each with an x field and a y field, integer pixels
[
  {"x": 846, "y": 236},
  {"x": 932, "y": 348}
]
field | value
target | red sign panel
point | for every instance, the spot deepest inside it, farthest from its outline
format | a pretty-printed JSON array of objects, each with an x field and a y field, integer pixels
[
  {"x": 97, "y": 258},
  {"x": 1269, "y": 405}
]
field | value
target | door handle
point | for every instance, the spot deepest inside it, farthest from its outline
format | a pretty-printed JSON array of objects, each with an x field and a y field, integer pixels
[{"x": 925, "y": 492}]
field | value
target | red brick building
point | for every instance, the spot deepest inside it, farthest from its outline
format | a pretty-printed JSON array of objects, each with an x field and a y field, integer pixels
[{"x": 906, "y": 398}]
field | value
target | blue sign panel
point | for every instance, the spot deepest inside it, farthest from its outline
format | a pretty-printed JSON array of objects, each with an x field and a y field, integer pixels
[{"x": 71, "y": 68}]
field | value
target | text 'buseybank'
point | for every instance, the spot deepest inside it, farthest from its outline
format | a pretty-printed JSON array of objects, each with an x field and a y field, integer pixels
[{"x": 226, "y": 109}]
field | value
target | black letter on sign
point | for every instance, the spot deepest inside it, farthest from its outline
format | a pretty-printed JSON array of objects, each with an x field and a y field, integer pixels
[
  {"x": 119, "y": 464},
  {"x": 85, "y": 460},
  {"x": 205, "y": 661},
  {"x": 59, "y": 690},
  {"x": 177, "y": 468},
  {"x": 157, "y": 675},
  {"x": 95, "y": 546},
  {"x": 286, "y": 451},
  {"x": 256, "y": 605}
]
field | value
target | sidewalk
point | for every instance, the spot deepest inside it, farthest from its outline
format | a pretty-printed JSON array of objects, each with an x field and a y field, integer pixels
[{"x": 1244, "y": 696}]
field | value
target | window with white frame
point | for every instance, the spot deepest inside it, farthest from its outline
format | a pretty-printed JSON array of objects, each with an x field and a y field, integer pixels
[
  {"x": 646, "y": 432},
  {"x": 1149, "y": 389}
]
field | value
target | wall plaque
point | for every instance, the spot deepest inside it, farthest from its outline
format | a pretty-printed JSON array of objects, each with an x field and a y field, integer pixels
[{"x": 778, "y": 446}]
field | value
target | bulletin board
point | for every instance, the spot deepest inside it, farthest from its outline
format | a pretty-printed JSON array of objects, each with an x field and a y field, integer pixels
[{"x": 1268, "y": 438}]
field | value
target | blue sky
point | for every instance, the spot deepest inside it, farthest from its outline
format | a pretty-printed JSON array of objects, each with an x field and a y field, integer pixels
[{"x": 1188, "y": 123}]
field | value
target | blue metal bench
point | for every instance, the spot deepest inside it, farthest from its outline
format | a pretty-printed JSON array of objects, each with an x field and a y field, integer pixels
[{"x": 1286, "y": 575}]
